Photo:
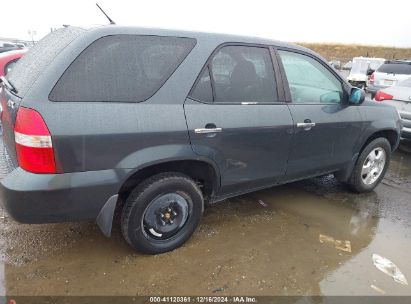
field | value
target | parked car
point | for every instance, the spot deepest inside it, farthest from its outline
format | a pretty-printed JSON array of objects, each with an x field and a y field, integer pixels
[
  {"x": 360, "y": 70},
  {"x": 399, "y": 96},
  {"x": 335, "y": 64},
  {"x": 347, "y": 65},
  {"x": 158, "y": 124},
  {"x": 8, "y": 60},
  {"x": 6, "y": 46},
  {"x": 388, "y": 74}
]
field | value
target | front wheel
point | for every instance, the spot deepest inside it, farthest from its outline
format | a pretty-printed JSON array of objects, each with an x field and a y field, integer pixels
[
  {"x": 371, "y": 166},
  {"x": 162, "y": 213}
]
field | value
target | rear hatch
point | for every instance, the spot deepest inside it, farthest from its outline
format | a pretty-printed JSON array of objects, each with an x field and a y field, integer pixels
[
  {"x": 9, "y": 106},
  {"x": 23, "y": 76},
  {"x": 390, "y": 74}
]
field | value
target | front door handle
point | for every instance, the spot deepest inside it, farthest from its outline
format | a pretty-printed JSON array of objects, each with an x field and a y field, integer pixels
[
  {"x": 306, "y": 125},
  {"x": 208, "y": 130}
]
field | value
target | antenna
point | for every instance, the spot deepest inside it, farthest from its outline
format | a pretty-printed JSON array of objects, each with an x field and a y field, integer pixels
[{"x": 109, "y": 19}]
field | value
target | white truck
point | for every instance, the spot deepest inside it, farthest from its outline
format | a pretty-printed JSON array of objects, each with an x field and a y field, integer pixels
[{"x": 361, "y": 68}]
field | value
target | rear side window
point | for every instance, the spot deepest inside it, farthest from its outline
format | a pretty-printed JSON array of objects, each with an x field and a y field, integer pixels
[
  {"x": 28, "y": 69},
  {"x": 238, "y": 74},
  {"x": 122, "y": 68},
  {"x": 395, "y": 68}
]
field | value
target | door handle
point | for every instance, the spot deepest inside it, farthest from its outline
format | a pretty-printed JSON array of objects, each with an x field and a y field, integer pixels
[
  {"x": 208, "y": 130},
  {"x": 307, "y": 125}
]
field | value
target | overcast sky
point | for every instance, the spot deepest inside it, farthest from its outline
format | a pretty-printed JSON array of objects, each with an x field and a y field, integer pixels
[{"x": 377, "y": 22}]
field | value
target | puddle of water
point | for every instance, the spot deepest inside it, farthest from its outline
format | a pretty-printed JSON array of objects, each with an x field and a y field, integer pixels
[{"x": 242, "y": 245}]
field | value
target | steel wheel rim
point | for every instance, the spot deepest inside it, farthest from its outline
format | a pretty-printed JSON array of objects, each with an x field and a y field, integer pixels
[
  {"x": 165, "y": 216},
  {"x": 373, "y": 166}
]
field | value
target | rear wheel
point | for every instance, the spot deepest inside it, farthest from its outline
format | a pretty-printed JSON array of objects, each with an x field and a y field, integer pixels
[
  {"x": 371, "y": 165},
  {"x": 162, "y": 213}
]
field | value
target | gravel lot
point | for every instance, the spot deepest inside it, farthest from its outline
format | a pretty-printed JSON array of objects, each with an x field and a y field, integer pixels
[{"x": 307, "y": 238}]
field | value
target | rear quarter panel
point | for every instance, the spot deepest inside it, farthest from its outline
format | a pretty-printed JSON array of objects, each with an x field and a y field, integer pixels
[{"x": 103, "y": 135}]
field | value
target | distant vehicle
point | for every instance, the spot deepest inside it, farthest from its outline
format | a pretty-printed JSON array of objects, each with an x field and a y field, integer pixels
[
  {"x": 362, "y": 67},
  {"x": 158, "y": 123},
  {"x": 347, "y": 66},
  {"x": 8, "y": 60},
  {"x": 335, "y": 64},
  {"x": 388, "y": 74},
  {"x": 399, "y": 96},
  {"x": 6, "y": 46}
]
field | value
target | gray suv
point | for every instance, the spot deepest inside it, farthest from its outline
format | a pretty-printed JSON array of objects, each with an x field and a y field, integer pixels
[{"x": 158, "y": 124}]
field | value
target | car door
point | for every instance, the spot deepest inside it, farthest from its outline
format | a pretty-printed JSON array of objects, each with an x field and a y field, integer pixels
[
  {"x": 237, "y": 117},
  {"x": 326, "y": 126}
]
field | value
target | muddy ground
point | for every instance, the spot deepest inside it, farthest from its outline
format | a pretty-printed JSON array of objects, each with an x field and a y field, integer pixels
[{"x": 307, "y": 238}]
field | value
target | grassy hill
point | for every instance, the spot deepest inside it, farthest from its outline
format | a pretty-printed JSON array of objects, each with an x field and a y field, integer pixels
[{"x": 346, "y": 52}]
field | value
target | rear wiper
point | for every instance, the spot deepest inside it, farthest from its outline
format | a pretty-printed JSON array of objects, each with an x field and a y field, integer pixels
[{"x": 8, "y": 84}]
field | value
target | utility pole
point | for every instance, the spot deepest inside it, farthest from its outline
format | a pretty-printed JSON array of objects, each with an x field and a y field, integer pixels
[{"x": 32, "y": 33}]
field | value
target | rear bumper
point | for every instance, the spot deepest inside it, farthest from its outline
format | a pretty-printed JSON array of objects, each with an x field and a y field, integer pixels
[
  {"x": 49, "y": 198},
  {"x": 374, "y": 88}
]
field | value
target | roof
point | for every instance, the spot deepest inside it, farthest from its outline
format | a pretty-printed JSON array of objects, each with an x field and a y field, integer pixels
[{"x": 218, "y": 38}]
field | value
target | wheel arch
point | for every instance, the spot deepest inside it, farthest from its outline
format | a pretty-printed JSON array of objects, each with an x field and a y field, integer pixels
[
  {"x": 390, "y": 134},
  {"x": 203, "y": 172}
]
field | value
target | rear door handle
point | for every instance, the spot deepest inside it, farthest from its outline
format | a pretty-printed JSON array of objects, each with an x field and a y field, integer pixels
[{"x": 208, "y": 130}]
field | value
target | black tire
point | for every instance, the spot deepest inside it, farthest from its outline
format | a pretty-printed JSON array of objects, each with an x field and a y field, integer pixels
[
  {"x": 372, "y": 95},
  {"x": 147, "y": 193},
  {"x": 356, "y": 181}
]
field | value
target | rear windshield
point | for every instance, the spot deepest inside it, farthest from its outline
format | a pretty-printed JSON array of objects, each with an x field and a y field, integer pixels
[
  {"x": 395, "y": 68},
  {"x": 28, "y": 69},
  {"x": 122, "y": 68}
]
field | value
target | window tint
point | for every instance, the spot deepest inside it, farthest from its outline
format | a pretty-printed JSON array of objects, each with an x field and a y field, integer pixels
[
  {"x": 123, "y": 68},
  {"x": 243, "y": 74},
  {"x": 309, "y": 80},
  {"x": 203, "y": 90},
  {"x": 395, "y": 68},
  {"x": 30, "y": 66}
]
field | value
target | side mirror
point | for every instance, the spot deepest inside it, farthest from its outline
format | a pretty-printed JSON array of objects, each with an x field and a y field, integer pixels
[
  {"x": 357, "y": 96},
  {"x": 370, "y": 71}
]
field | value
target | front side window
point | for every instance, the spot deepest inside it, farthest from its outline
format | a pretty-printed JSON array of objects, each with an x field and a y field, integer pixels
[
  {"x": 122, "y": 68},
  {"x": 238, "y": 74},
  {"x": 309, "y": 80}
]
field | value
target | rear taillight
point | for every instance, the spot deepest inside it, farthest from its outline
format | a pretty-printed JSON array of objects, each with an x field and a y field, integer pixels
[
  {"x": 371, "y": 80},
  {"x": 380, "y": 96},
  {"x": 33, "y": 142}
]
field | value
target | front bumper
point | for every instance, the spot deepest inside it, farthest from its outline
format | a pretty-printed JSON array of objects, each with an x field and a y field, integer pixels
[
  {"x": 48, "y": 198},
  {"x": 406, "y": 133}
]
